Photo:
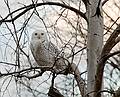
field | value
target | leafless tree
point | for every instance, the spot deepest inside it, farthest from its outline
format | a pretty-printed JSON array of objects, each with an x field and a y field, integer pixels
[{"x": 86, "y": 31}]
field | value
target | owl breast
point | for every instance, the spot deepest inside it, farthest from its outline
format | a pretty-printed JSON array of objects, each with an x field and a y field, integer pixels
[{"x": 41, "y": 54}]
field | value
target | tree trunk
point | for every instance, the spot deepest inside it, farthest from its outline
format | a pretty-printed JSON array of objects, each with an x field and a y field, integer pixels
[{"x": 94, "y": 43}]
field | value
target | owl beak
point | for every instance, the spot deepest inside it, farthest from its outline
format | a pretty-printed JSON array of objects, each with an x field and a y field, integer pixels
[{"x": 38, "y": 37}]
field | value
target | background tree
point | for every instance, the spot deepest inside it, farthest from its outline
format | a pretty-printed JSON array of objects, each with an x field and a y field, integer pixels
[{"x": 76, "y": 28}]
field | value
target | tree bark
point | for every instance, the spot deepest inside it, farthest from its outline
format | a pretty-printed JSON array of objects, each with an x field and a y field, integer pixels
[{"x": 94, "y": 43}]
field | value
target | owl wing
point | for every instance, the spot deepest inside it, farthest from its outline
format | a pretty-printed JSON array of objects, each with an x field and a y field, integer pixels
[{"x": 53, "y": 49}]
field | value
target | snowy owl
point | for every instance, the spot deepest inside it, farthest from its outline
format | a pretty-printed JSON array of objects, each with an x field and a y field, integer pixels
[
  {"x": 46, "y": 54},
  {"x": 49, "y": 58}
]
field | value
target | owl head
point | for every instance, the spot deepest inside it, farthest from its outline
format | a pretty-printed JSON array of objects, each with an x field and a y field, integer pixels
[{"x": 39, "y": 35}]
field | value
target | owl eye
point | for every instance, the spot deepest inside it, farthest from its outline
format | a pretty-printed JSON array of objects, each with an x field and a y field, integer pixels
[
  {"x": 35, "y": 33},
  {"x": 42, "y": 33}
]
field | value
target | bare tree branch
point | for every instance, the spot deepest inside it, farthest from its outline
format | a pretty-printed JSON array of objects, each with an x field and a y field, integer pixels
[
  {"x": 105, "y": 1},
  {"x": 53, "y": 92},
  {"x": 110, "y": 43},
  {"x": 117, "y": 93},
  {"x": 31, "y": 6},
  {"x": 86, "y": 2}
]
